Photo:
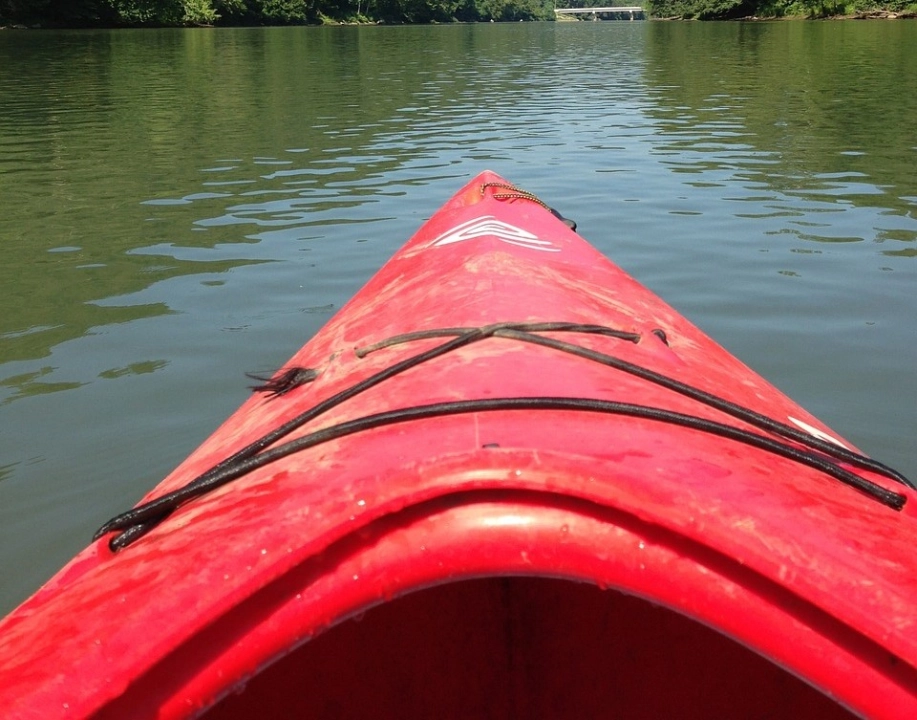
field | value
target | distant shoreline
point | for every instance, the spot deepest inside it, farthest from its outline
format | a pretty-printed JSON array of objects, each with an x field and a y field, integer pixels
[{"x": 865, "y": 15}]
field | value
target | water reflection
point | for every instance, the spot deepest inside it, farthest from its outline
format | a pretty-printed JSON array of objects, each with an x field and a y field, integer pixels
[
  {"x": 792, "y": 107},
  {"x": 321, "y": 124}
]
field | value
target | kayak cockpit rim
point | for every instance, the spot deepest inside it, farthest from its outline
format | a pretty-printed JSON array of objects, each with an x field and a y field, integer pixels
[{"x": 751, "y": 626}]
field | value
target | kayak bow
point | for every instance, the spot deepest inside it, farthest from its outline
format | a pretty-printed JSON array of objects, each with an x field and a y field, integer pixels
[{"x": 504, "y": 480}]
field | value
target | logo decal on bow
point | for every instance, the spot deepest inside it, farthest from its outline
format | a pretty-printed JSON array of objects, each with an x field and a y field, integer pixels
[{"x": 489, "y": 226}]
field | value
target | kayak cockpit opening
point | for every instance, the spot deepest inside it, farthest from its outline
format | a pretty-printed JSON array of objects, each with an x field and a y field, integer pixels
[{"x": 524, "y": 647}]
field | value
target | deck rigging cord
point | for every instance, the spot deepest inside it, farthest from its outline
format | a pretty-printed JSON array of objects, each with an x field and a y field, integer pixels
[
  {"x": 809, "y": 450},
  {"x": 511, "y": 192}
]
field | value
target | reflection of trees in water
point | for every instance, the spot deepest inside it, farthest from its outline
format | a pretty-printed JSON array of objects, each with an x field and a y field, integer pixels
[
  {"x": 816, "y": 111},
  {"x": 96, "y": 209}
]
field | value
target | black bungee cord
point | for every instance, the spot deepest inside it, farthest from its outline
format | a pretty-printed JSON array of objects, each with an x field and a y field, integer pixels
[{"x": 816, "y": 453}]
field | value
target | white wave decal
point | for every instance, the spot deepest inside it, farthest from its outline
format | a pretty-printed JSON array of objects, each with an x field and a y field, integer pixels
[{"x": 489, "y": 226}]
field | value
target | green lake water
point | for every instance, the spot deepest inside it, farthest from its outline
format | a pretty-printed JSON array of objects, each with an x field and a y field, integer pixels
[{"x": 178, "y": 207}]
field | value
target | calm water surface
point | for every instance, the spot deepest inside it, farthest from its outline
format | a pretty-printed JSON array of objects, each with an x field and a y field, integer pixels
[{"x": 178, "y": 207}]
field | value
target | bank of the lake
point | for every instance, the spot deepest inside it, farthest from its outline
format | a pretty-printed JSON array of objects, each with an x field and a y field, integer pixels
[
  {"x": 239, "y": 13},
  {"x": 254, "y": 13}
]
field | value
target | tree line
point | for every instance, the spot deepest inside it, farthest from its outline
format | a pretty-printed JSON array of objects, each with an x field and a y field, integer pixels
[
  {"x": 733, "y": 9},
  {"x": 171, "y": 13}
]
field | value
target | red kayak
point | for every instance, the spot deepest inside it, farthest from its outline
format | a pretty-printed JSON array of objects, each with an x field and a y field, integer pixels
[{"x": 504, "y": 481}]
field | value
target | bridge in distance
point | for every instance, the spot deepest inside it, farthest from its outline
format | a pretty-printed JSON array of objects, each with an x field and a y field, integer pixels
[{"x": 616, "y": 9}]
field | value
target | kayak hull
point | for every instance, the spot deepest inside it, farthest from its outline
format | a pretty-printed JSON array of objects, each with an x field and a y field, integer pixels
[{"x": 439, "y": 550}]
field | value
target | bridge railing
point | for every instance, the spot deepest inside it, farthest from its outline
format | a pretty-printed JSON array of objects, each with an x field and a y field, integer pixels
[{"x": 633, "y": 10}]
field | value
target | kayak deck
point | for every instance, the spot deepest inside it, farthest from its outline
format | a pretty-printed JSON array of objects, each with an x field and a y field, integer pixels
[{"x": 505, "y": 479}]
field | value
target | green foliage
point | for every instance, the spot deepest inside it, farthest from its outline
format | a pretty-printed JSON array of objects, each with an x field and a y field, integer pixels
[
  {"x": 824, "y": 8},
  {"x": 807, "y": 8},
  {"x": 701, "y": 9},
  {"x": 156, "y": 12},
  {"x": 199, "y": 12},
  {"x": 283, "y": 11},
  {"x": 165, "y": 12},
  {"x": 513, "y": 10},
  {"x": 54, "y": 12},
  {"x": 140, "y": 12},
  {"x": 726, "y": 9},
  {"x": 81, "y": 13},
  {"x": 510, "y": 10},
  {"x": 264, "y": 12}
]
